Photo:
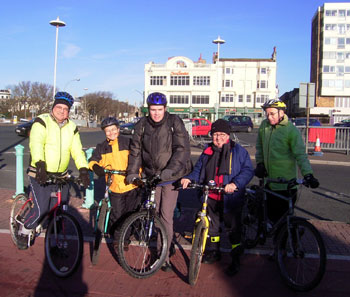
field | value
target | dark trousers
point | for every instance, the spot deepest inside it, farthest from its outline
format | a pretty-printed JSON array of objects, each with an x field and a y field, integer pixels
[
  {"x": 122, "y": 205},
  {"x": 277, "y": 207},
  {"x": 42, "y": 201},
  {"x": 231, "y": 219}
]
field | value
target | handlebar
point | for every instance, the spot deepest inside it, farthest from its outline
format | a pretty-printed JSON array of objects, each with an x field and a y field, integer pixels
[
  {"x": 151, "y": 181},
  {"x": 112, "y": 171},
  {"x": 61, "y": 180},
  {"x": 281, "y": 180},
  {"x": 203, "y": 187}
]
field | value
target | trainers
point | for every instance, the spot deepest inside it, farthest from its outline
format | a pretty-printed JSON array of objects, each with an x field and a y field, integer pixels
[
  {"x": 22, "y": 242},
  {"x": 166, "y": 267},
  {"x": 211, "y": 257}
]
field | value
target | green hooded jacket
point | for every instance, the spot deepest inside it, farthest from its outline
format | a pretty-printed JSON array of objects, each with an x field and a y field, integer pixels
[{"x": 281, "y": 149}]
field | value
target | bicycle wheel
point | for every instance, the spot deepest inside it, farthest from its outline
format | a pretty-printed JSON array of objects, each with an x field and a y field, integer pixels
[
  {"x": 20, "y": 208},
  {"x": 63, "y": 248},
  {"x": 250, "y": 223},
  {"x": 142, "y": 244},
  {"x": 100, "y": 229},
  {"x": 196, "y": 252},
  {"x": 301, "y": 255}
]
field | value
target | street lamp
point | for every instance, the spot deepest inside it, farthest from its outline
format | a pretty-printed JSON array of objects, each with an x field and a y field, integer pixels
[
  {"x": 57, "y": 23},
  {"x": 218, "y": 41}
]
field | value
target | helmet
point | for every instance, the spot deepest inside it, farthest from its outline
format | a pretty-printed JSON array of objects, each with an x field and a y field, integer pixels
[
  {"x": 109, "y": 122},
  {"x": 156, "y": 99},
  {"x": 66, "y": 97},
  {"x": 274, "y": 103}
]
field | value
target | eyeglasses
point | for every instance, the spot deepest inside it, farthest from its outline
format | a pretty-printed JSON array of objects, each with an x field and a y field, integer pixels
[
  {"x": 221, "y": 135},
  {"x": 271, "y": 114}
]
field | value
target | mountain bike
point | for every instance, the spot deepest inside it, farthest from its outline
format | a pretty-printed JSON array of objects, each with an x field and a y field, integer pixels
[
  {"x": 201, "y": 229},
  {"x": 102, "y": 216},
  {"x": 142, "y": 239},
  {"x": 298, "y": 247},
  {"x": 63, "y": 238}
]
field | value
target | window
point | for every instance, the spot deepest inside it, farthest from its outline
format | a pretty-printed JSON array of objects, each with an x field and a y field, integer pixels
[
  {"x": 339, "y": 84},
  {"x": 262, "y": 98},
  {"x": 228, "y": 70},
  {"x": 340, "y": 56},
  {"x": 328, "y": 69},
  {"x": 347, "y": 40},
  {"x": 331, "y": 13},
  {"x": 158, "y": 80},
  {"x": 228, "y": 83},
  {"x": 200, "y": 99},
  {"x": 262, "y": 84},
  {"x": 340, "y": 70},
  {"x": 330, "y": 40},
  {"x": 347, "y": 69},
  {"x": 347, "y": 84},
  {"x": 201, "y": 80},
  {"x": 240, "y": 98},
  {"x": 179, "y": 80},
  {"x": 330, "y": 27},
  {"x": 341, "y": 13},
  {"x": 341, "y": 28},
  {"x": 341, "y": 42},
  {"x": 348, "y": 13},
  {"x": 179, "y": 99},
  {"x": 263, "y": 70},
  {"x": 227, "y": 98},
  {"x": 329, "y": 55},
  {"x": 249, "y": 98}
]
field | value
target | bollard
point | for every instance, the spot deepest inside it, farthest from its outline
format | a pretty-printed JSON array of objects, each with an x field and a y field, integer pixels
[
  {"x": 89, "y": 193},
  {"x": 19, "y": 170}
]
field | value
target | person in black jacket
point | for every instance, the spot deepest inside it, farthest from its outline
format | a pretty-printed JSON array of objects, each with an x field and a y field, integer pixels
[{"x": 160, "y": 145}]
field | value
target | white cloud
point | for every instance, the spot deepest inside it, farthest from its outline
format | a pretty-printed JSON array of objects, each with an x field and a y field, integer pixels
[{"x": 71, "y": 51}]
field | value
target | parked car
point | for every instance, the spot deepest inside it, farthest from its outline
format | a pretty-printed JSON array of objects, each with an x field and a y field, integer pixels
[
  {"x": 127, "y": 128},
  {"x": 200, "y": 127},
  {"x": 239, "y": 123},
  {"x": 24, "y": 129},
  {"x": 344, "y": 123},
  {"x": 302, "y": 122}
]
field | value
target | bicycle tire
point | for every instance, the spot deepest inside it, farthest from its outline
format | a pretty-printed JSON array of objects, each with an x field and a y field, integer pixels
[
  {"x": 196, "y": 252},
  {"x": 141, "y": 250},
  {"x": 65, "y": 252},
  {"x": 100, "y": 222},
  {"x": 20, "y": 207},
  {"x": 251, "y": 224},
  {"x": 302, "y": 270}
]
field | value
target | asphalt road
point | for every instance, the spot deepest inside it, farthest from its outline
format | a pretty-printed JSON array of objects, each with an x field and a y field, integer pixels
[{"x": 329, "y": 202}]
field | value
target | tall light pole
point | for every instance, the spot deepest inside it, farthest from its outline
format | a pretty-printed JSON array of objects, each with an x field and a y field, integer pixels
[
  {"x": 218, "y": 41},
  {"x": 57, "y": 23}
]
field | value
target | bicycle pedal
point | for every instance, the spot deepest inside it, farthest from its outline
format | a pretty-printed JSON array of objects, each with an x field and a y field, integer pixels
[{"x": 188, "y": 235}]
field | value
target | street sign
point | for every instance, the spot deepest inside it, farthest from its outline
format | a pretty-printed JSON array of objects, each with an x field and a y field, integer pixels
[{"x": 304, "y": 89}]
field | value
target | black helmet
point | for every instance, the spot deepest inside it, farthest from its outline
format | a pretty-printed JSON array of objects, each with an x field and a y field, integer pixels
[
  {"x": 109, "y": 122},
  {"x": 156, "y": 99}
]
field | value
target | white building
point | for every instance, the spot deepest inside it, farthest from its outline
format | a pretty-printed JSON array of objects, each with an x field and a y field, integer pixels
[
  {"x": 230, "y": 86},
  {"x": 330, "y": 60},
  {"x": 5, "y": 94}
]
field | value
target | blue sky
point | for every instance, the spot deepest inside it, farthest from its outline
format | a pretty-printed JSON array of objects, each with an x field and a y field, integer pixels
[{"x": 106, "y": 43}]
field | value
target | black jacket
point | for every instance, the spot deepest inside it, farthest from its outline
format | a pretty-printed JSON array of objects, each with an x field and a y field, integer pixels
[{"x": 159, "y": 146}]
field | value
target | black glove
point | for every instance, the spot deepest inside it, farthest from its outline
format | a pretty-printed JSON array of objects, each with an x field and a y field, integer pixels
[
  {"x": 166, "y": 174},
  {"x": 260, "y": 170},
  {"x": 41, "y": 174},
  {"x": 310, "y": 180},
  {"x": 131, "y": 177},
  {"x": 84, "y": 177},
  {"x": 99, "y": 171}
]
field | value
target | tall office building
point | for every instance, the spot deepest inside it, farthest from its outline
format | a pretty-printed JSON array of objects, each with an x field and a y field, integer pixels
[{"x": 330, "y": 60}]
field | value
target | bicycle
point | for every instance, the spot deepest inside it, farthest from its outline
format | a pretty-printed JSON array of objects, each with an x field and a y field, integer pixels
[
  {"x": 142, "y": 239},
  {"x": 298, "y": 246},
  {"x": 201, "y": 229},
  {"x": 102, "y": 216},
  {"x": 63, "y": 237}
]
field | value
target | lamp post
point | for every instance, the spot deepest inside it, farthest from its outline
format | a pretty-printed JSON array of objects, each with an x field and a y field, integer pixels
[
  {"x": 57, "y": 23},
  {"x": 218, "y": 41}
]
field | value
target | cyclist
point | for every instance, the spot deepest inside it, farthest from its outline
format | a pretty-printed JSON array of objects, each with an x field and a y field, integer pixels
[
  {"x": 53, "y": 138},
  {"x": 229, "y": 165},
  {"x": 113, "y": 154},
  {"x": 161, "y": 146},
  {"x": 279, "y": 150}
]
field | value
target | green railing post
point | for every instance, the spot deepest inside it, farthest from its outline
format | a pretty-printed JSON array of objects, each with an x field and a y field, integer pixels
[
  {"x": 89, "y": 193},
  {"x": 19, "y": 169}
]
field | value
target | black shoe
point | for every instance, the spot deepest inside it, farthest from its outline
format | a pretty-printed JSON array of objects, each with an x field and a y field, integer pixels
[
  {"x": 232, "y": 269},
  {"x": 166, "y": 267},
  {"x": 22, "y": 242},
  {"x": 211, "y": 257}
]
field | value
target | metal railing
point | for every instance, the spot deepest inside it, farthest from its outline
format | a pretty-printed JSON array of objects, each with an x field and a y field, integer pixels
[{"x": 341, "y": 141}]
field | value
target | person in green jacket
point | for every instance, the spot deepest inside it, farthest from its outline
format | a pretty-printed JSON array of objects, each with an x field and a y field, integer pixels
[
  {"x": 280, "y": 151},
  {"x": 53, "y": 140}
]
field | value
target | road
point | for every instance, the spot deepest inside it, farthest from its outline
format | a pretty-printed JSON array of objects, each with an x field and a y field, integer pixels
[{"x": 329, "y": 202}]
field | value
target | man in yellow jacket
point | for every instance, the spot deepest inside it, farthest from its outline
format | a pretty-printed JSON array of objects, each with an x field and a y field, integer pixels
[{"x": 53, "y": 139}]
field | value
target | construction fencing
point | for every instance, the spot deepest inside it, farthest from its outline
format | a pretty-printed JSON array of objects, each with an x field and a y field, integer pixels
[{"x": 331, "y": 138}]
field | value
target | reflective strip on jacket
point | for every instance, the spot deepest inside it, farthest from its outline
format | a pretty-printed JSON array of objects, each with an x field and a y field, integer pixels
[
  {"x": 281, "y": 149},
  {"x": 113, "y": 155},
  {"x": 54, "y": 144}
]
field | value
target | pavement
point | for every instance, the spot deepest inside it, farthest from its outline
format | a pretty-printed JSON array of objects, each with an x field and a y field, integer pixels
[{"x": 25, "y": 273}]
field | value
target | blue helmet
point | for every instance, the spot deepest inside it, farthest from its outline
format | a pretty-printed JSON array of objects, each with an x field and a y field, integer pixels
[
  {"x": 64, "y": 98},
  {"x": 156, "y": 99}
]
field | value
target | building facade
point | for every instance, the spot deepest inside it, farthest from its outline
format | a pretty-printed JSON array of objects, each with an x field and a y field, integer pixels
[
  {"x": 5, "y": 94},
  {"x": 227, "y": 86},
  {"x": 330, "y": 61}
]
